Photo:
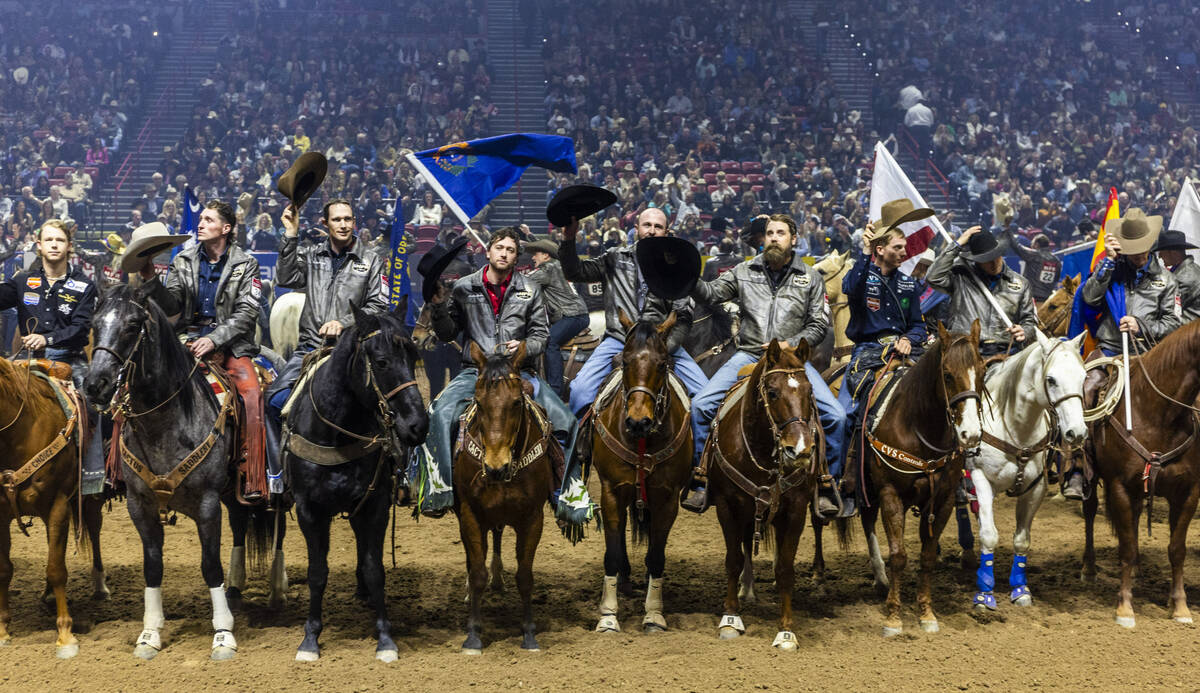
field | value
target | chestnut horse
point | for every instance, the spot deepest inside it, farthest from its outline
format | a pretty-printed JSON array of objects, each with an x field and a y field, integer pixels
[
  {"x": 40, "y": 476},
  {"x": 1159, "y": 458},
  {"x": 503, "y": 476},
  {"x": 764, "y": 456},
  {"x": 643, "y": 450},
  {"x": 1054, "y": 313},
  {"x": 914, "y": 457}
]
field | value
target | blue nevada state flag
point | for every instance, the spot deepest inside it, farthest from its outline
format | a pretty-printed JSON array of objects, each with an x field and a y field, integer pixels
[{"x": 468, "y": 175}]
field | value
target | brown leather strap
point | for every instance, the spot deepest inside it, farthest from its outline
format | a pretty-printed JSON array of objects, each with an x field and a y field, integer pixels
[
  {"x": 648, "y": 461},
  {"x": 11, "y": 480},
  {"x": 1154, "y": 460},
  {"x": 916, "y": 464},
  {"x": 1023, "y": 455}
]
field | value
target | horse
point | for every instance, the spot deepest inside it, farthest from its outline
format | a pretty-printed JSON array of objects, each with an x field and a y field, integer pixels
[
  {"x": 42, "y": 430},
  {"x": 833, "y": 267},
  {"x": 503, "y": 476},
  {"x": 932, "y": 409},
  {"x": 1032, "y": 393},
  {"x": 1159, "y": 458},
  {"x": 764, "y": 454},
  {"x": 356, "y": 415},
  {"x": 1054, "y": 313},
  {"x": 180, "y": 441},
  {"x": 711, "y": 341},
  {"x": 642, "y": 450},
  {"x": 285, "y": 323}
]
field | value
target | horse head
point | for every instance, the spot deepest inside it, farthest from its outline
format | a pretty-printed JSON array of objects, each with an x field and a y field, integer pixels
[
  {"x": 119, "y": 327},
  {"x": 422, "y": 334},
  {"x": 787, "y": 400},
  {"x": 1062, "y": 377},
  {"x": 645, "y": 364},
  {"x": 962, "y": 379},
  {"x": 500, "y": 406},
  {"x": 1055, "y": 311},
  {"x": 385, "y": 357}
]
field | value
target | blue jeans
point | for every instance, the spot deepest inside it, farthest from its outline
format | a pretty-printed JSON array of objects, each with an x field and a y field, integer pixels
[
  {"x": 8, "y": 332},
  {"x": 93, "y": 454},
  {"x": 561, "y": 332},
  {"x": 708, "y": 400},
  {"x": 281, "y": 388},
  {"x": 586, "y": 385}
]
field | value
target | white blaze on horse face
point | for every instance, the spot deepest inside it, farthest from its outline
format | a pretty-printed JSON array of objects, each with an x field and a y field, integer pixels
[
  {"x": 110, "y": 320},
  {"x": 792, "y": 382},
  {"x": 969, "y": 429}
]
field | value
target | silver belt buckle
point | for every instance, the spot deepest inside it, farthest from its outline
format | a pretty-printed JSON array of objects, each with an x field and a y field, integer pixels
[{"x": 887, "y": 339}]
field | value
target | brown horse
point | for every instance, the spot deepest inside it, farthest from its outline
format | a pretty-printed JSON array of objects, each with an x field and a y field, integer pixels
[
  {"x": 928, "y": 417},
  {"x": 503, "y": 473},
  {"x": 765, "y": 453},
  {"x": 40, "y": 476},
  {"x": 1159, "y": 458},
  {"x": 1054, "y": 313},
  {"x": 643, "y": 450}
]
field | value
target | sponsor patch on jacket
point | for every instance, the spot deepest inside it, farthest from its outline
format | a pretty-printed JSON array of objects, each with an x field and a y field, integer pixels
[
  {"x": 31, "y": 298},
  {"x": 1158, "y": 283},
  {"x": 1014, "y": 286},
  {"x": 524, "y": 294},
  {"x": 34, "y": 282},
  {"x": 75, "y": 285},
  {"x": 237, "y": 271},
  {"x": 1178, "y": 307},
  {"x": 801, "y": 280},
  {"x": 68, "y": 298},
  {"x": 872, "y": 303},
  {"x": 906, "y": 285},
  {"x": 256, "y": 288},
  {"x": 360, "y": 267},
  {"x": 65, "y": 308}
]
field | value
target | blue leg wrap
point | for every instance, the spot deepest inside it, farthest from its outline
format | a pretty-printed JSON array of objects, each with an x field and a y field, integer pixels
[
  {"x": 1017, "y": 577},
  {"x": 985, "y": 579}
]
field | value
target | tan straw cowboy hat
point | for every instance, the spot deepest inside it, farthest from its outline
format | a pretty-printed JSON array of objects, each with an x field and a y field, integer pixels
[
  {"x": 1136, "y": 232},
  {"x": 895, "y": 213},
  {"x": 147, "y": 241}
]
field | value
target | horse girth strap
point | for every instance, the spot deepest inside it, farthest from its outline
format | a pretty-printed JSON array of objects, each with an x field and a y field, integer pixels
[
  {"x": 766, "y": 498},
  {"x": 1153, "y": 460},
  {"x": 327, "y": 455},
  {"x": 11, "y": 480},
  {"x": 164, "y": 485}
]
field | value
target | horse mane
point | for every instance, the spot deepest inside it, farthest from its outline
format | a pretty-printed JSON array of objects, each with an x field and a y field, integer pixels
[
  {"x": 1007, "y": 386},
  {"x": 496, "y": 367},
  {"x": 722, "y": 321},
  {"x": 642, "y": 334},
  {"x": 918, "y": 388},
  {"x": 1174, "y": 357},
  {"x": 12, "y": 383},
  {"x": 174, "y": 358}
]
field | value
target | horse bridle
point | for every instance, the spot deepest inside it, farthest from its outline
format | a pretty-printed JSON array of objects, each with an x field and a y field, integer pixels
[
  {"x": 120, "y": 402},
  {"x": 953, "y": 418},
  {"x": 778, "y": 429},
  {"x": 660, "y": 397}
]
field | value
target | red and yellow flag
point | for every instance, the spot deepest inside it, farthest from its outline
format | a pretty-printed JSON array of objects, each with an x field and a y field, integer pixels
[{"x": 1111, "y": 213}]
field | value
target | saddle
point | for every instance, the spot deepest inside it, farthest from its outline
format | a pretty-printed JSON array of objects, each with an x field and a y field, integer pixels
[
  {"x": 577, "y": 351},
  {"x": 584, "y": 341},
  {"x": 55, "y": 369}
]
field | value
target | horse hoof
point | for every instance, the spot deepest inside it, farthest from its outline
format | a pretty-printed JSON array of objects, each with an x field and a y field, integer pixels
[
  {"x": 1088, "y": 578},
  {"x": 649, "y": 628},
  {"x": 785, "y": 640},
  {"x": 67, "y": 651},
  {"x": 221, "y": 654},
  {"x": 608, "y": 624},
  {"x": 387, "y": 656},
  {"x": 889, "y": 632},
  {"x": 276, "y": 603},
  {"x": 654, "y": 623},
  {"x": 1022, "y": 599},
  {"x": 930, "y": 626},
  {"x": 1126, "y": 621},
  {"x": 472, "y": 645},
  {"x": 881, "y": 588},
  {"x": 101, "y": 595},
  {"x": 472, "y": 651},
  {"x": 307, "y": 656},
  {"x": 1182, "y": 619},
  {"x": 529, "y": 643},
  {"x": 145, "y": 652}
]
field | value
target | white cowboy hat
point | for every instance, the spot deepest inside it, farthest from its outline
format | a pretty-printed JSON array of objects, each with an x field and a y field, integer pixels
[
  {"x": 147, "y": 241},
  {"x": 21, "y": 75}
]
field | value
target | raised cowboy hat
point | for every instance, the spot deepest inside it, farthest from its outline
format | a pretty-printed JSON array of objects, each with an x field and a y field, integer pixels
[
  {"x": 1173, "y": 240},
  {"x": 1135, "y": 232},
  {"x": 670, "y": 266},
  {"x": 577, "y": 202},
  {"x": 434, "y": 263},
  {"x": 548, "y": 247},
  {"x": 300, "y": 181},
  {"x": 753, "y": 233},
  {"x": 983, "y": 246},
  {"x": 895, "y": 213},
  {"x": 147, "y": 241}
]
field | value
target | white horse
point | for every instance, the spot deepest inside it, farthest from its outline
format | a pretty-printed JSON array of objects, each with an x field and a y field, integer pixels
[
  {"x": 1029, "y": 392},
  {"x": 285, "y": 323}
]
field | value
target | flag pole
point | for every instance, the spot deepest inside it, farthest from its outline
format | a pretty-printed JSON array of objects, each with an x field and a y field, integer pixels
[
  {"x": 1128, "y": 402},
  {"x": 983, "y": 289},
  {"x": 450, "y": 202}
]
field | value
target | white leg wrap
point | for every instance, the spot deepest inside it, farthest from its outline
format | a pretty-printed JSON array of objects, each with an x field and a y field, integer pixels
[
  {"x": 153, "y": 617},
  {"x": 222, "y": 616},
  {"x": 224, "y": 638},
  {"x": 608, "y": 600},
  {"x": 654, "y": 602},
  {"x": 279, "y": 580},
  {"x": 237, "y": 568}
]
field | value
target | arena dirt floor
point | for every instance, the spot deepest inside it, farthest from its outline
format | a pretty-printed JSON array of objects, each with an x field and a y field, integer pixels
[{"x": 1067, "y": 639}]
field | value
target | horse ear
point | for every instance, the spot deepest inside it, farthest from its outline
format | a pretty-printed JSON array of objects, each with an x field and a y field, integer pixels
[
  {"x": 402, "y": 308},
  {"x": 518, "y": 356},
  {"x": 943, "y": 335},
  {"x": 975, "y": 328},
  {"x": 1077, "y": 343},
  {"x": 773, "y": 351},
  {"x": 666, "y": 325},
  {"x": 626, "y": 323},
  {"x": 477, "y": 355},
  {"x": 1042, "y": 340},
  {"x": 803, "y": 351}
]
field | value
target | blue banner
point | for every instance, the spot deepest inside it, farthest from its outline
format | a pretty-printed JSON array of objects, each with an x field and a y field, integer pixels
[
  {"x": 190, "y": 222},
  {"x": 398, "y": 265},
  {"x": 469, "y": 175},
  {"x": 1077, "y": 261}
]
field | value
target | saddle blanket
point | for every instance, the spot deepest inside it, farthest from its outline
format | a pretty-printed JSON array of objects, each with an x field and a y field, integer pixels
[{"x": 613, "y": 383}]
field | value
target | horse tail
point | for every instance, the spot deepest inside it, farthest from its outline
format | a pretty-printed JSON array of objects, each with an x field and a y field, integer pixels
[
  {"x": 259, "y": 540},
  {"x": 79, "y": 529},
  {"x": 639, "y": 524},
  {"x": 845, "y": 532}
]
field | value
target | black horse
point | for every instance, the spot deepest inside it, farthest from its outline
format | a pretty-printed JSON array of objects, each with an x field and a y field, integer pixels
[
  {"x": 346, "y": 428},
  {"x": 711, "y": 340}
]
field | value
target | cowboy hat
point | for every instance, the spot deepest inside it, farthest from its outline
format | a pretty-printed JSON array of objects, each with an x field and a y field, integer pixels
[
  {"x": 577, "y": 202},
  {"x": 21, "y": 75},
  {"x": 113, "y": 243},
  {"x": 670, "y": 266},
  {"x": 434, "y": 263},
  {"x": 300, "y": 181},
  {"x": 1002, "y": 211},
  {"x": 1135, "y": 231},
  {"x": 147, "y": 241},
  {"x": 755, "y": 229},
  {"x": 983, "y": 246},
  {"x": 548, "y": 247},
  {"x": 1173, "y": 240},
  {"x": 895, "y": 213}
]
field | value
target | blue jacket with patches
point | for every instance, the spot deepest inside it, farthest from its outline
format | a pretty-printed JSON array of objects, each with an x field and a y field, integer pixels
[
  {"x": 62, "y": 312},
  {"x": 882, "y": 306}
]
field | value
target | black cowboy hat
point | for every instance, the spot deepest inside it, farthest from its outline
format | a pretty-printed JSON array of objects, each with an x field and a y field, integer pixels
[
  {"x": 757, "y": 228},
  {"x": 577, "y": 202},
  {"x": 1173, "y": 240},
  {"x": 984, "y": 247},
  {"x": 300, "y": 181},
  {"x": 670, "y": 266},
  {"x": 434, "y": 263}
]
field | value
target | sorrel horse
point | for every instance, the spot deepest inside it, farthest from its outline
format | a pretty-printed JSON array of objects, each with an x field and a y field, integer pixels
[
  {"x": 40, "y": 428},
  {"x": 924, "y": 421},
  {"x": 764, "y": 456},
  {"x": 347, "y": 427},
  {"x": 179, "y": 444},
  {"x": 1159, "y": 458},
  {"x": 1054, "y": 313},
  {"x": 642, "y": 450},
  {"x": 503, "y": 477}
]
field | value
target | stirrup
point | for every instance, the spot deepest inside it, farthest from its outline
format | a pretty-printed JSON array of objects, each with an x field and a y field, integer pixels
[{"x": 695, "y": 499}]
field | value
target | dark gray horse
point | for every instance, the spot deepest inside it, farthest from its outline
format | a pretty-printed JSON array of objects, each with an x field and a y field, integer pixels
[
  {"x": 711, "y": 340},
  {"x": 359, "y": 413},
  {"x": 172, "y": 423}
]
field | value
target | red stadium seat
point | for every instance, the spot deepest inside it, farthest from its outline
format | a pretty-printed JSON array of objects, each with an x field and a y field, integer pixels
[
  {"x": 733, "y": 178},
  {"x": 731, "y": 167},
  {"x": 710, "y": 178},
  {"x": 710, "y": 167},
  {"x": 427, "y": 232},
  {"x": 712, "y": 189},
  {"x": 56, "y": 181},
  {"x": 61, "y": 171},
  {"x": 92, "y": 171},
  {"x": 751, "y": 167},
  {"x": 755, "y": 178},
  {"x": 424, "y": 245},
  {"x": 756, "y": 189}
]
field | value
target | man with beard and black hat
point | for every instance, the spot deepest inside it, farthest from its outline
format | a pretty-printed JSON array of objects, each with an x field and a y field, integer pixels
[
  {"x": 780, "y": 297},
  {"x": 974, "y": 264},
  {"x": 1172, "y": 249}
]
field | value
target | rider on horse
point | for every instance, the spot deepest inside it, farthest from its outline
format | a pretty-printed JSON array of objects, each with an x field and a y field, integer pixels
[
  {"x": 54, "y": 305},
  {"x": 214, "y": 287},
  {"x": 885, "y": 315},
  {"x": 780, "y": 297},
  {"x": 567, "y": 311},
  {"x": 335, "y": 276},
  {"x": 1172, "y": 249},
  {"x": 497, "y": 308}
]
